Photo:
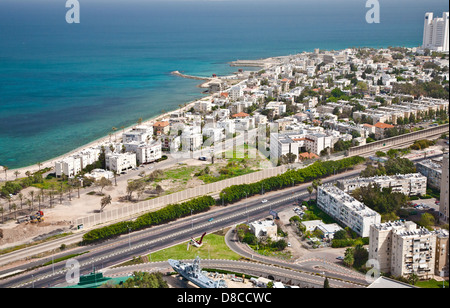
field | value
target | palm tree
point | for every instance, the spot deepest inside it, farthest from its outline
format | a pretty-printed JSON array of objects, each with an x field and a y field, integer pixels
[
  {"x": 32, "y": 197},
  {"x": 16, "y": 173},
  {"x": 20, "y": 195},
  {"x": 5, "y": 168},
  {"x": 14, "y": 207},
  {"x": 115, "y": 136}
]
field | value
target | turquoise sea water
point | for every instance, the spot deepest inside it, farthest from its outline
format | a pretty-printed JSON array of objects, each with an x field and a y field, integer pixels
[{"x": 65, "y": 85}]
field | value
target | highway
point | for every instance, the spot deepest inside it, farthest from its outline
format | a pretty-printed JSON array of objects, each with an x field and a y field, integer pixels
[{"x": 125, "y": 247}]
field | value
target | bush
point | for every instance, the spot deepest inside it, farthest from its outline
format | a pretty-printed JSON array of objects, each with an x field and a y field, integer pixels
[
  {"x": 317, "y": 170},
  {"x": 169, "y": 213}
]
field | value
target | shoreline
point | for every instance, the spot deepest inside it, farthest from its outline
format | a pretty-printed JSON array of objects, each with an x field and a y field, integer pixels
[{"x": 50, "y": 163}]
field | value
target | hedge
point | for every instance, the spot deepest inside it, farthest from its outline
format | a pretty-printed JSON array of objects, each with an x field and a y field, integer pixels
[
  {"x": 169, "y": 213},
  {"x": 319, "y": 169}
]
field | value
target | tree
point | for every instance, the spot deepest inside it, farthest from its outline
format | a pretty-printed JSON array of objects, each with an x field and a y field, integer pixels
[
  {"x": 104, "y": 202},
  {"x": 102, "y": 183},
  {"x": 316, "y": 183},
  {"x": 134, "y": 186},
  {"x": 326, "y": 283},
  {"x": 426, "y": 220},
  {"x": 348, "y": 257},
  {"x": 310, "y": 191},
  {"x": 145, "y": 280}
]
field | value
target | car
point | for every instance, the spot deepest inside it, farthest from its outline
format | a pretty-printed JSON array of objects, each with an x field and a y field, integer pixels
[
  {"x": 340, "y": 258},
  {"x": 202, "y": 158},
  {"x": 289, "y": 244},
  {"x": 211, "y": 219},
  {"x": 264, "y": 201}
]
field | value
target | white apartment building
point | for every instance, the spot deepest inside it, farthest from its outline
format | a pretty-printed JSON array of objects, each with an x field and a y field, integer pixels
[
  {"x": 435, "y": 32},
  {"x": 412, "y": 184},
  {"x": 191, "y": 138},
  {"x": 138, "y": 134},
  {"x": 297, "y": 142},
  {"x": 264, "y": 228},
  {"x": 69, "y": 166},
  {"x": 213, "y": 135},
  {"x": 145, "y": 153},
  {"x": 401, "y": 248},
  {"x": 235, "y": 93},
  {"x": 120, "y": 162},
  {"x": 346, "y": 209},
  {"x": 88, "y": 157}
]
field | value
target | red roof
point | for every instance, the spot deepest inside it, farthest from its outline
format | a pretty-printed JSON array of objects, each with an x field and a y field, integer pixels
[
  {"x": 384, "y": 125},
  {"x": 307, "y": 155},
  {"x": 161, "y": 124},
  {"x": 240, "y": 115}
]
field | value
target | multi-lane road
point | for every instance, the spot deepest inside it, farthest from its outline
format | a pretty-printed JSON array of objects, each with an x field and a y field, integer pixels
[{"x": 127, "y": 246}]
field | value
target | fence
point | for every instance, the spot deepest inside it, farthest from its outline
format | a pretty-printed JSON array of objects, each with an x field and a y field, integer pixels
[
  {"x": 399, "y": 141},
  {"x": 130, "y": 210}
]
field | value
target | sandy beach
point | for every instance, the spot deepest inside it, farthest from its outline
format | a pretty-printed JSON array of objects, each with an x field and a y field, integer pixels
[{"x": 96, "y": 143}]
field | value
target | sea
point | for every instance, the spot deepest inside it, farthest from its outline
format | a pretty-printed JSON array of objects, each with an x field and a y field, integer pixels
[{"x": 63, "y": 85}]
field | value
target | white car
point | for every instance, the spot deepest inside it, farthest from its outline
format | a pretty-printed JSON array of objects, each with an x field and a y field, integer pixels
[{"x": 264, "y": 201}]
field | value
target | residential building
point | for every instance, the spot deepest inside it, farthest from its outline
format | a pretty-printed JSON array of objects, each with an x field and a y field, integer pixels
[
  {"x": 120, "y": 162},
  {"x": 145, "y": 152},
  {"x": 432, "y": 169},
  {"x": 298, "y": 142},
  {"x": 380, "y": 129},
  {"x": 161, "y": 128},
  {"x": 443, "y": 204},
  {"x": 412, "y": 184},
  {"x": 138, "y": 134},
  {"x": 264, "y": 228},
  {"x": 435, "y": 32},
  {"x": 346, "y": 209},
  {"x": 402, "y": 248},
  {"x": 442, "y": 253},
  {"x": 69, "y": 166}
]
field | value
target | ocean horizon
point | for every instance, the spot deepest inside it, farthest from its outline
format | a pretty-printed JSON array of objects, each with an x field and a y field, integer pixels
[{"x": 65, "y": 85}]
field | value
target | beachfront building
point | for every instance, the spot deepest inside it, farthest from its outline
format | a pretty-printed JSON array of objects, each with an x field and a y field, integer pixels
[
  {"x": 346, "y": 210},
  {"x": 69, "y": 166},
  {"x": 139, "y": 134},
  {"x": 161, "y": 128},
  {"x": 435, "y": 32},
  {"x": 120, "y": 162},
  {"x": 145, "y": 152},
  {"x": 88, "y": 157},
  {"x": 412, "y": 184},
  {"x": 402, "y": 248}
]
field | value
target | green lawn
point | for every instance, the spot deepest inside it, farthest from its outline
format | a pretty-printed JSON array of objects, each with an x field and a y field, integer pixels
[
  {"x": 431, "y": 284},
  {"x": 214, "y": 247}
]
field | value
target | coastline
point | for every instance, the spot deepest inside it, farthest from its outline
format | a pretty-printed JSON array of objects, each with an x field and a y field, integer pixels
[
  {"x": 98, "y": 142},
  {"x": 50, "y": 163}
]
